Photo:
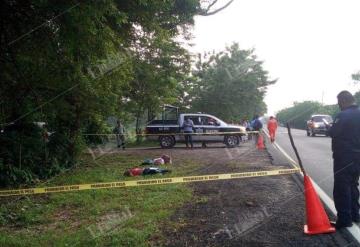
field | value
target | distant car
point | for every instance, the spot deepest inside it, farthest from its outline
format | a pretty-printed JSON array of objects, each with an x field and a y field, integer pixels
[{"x": 318, "y": 125}]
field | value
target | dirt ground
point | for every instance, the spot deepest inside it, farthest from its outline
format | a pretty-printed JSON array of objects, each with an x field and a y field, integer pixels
[{"x": 265, "y": 211}]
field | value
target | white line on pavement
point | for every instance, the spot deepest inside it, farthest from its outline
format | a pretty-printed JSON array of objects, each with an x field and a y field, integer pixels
[{"x": 293, "y": 163}]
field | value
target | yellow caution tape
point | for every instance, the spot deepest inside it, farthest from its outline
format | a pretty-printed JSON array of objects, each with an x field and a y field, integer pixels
[
  {"x": 181, "y": 133},
  {"x": 134, "y": 183}
]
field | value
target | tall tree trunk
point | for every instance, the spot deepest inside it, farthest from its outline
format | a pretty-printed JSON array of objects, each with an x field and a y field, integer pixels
[
  {"x": 74, "y": 130},
  {"x": 138, "y": 125}
]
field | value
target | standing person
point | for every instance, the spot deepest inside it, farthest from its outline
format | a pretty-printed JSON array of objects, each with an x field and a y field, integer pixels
[
  {"x": 244, "y": 123},
  {"x": 119, "y": 130},
  {"x": 345, "y": 134},
  {"x": 247, "y": 125},
  {"x": 272, "y": 126},
  {"x": 188, "y": 126},
  {"x": 256, "y": 125}
]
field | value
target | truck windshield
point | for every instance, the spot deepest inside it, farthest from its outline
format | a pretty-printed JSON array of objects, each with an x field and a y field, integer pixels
[{"x": 321, "y": 119}]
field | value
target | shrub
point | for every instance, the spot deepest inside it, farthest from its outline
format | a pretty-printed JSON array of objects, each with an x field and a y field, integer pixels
[{"x": 27, "y": 155}]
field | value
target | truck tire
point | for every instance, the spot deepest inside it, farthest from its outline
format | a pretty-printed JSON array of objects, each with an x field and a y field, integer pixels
[
  {"x": 167, "y": 141},
  {"x": 231, "y": 141}
]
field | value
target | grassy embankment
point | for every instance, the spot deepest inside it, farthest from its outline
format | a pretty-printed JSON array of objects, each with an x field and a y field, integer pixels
[{"x": 105, "y": 217}]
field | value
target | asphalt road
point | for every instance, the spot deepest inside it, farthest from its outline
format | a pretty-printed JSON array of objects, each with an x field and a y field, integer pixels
[{"x": 315, "y": 153}]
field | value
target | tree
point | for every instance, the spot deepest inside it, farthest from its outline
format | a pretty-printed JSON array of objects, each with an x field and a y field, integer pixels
[
  {"x": 71, "y": 64},
  {"x": 299, "y": 113},
  {"x": 159, "y": 65},
  {"x": 357, "y": 97},
  {"x": 230, "y": 84},
  {"x": 356, "y": 77}
]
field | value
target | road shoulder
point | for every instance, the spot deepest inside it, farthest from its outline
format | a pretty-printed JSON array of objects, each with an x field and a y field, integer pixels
[
  {"x": 342, "y": 237},
  {"x": 266, "y": 211}
]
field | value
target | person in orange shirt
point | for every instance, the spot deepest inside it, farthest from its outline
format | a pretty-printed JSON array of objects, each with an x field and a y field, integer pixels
[{"x": 272, "y": 126}]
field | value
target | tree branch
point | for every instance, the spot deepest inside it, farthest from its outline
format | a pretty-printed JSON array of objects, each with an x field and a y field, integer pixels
[
  {"x": 207, "y": 13},
  {"x": 210, "y": 5},
  {"x": 356, "y": 77}
]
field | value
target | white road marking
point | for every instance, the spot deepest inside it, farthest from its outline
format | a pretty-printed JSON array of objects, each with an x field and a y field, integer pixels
[
  {"x": 355, "y": 229},
  {"x": 293, "y": 163}
]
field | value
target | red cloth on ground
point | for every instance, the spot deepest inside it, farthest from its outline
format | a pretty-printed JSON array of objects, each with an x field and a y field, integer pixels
[{"x": 136, "y": 171}]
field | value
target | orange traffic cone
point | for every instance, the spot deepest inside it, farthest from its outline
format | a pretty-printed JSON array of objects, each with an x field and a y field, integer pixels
[
  {"x": 316, "y": 217},
  {"x": 260, "y": 142}
]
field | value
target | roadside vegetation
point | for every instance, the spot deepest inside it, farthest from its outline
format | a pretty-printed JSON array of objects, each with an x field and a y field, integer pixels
[
  {"x": 94, "y": 62},
  {"x": 107, "y": 217},
  {"x": 300, "y": 112}
]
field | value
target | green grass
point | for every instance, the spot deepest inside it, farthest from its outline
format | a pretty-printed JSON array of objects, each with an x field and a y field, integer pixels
[
  {"x": 94, "y": 217},
  {"x": 111, "y": 144},
  {"x": 143, "y": 143}
]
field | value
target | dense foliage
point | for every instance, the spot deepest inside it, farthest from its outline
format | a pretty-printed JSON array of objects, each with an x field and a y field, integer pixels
[
  {"x": 357, "y": 98},
  {"x": 67, "y": 66},
  {"x": 72, "y": 64},
  {"x": 230, "y": 84},
  {"x": 356, "y": 78}
]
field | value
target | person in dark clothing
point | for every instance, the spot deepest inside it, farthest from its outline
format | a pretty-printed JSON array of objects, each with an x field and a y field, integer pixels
[
  {"x": 119, "y": 130},
  {"x": 345, "y": 134},
  {"x": 188, "y": 127},
  {"x": 256, "y": 125}
]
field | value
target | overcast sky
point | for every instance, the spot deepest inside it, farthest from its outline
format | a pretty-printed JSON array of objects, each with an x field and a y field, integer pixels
[{"x": 311, "y": 46}]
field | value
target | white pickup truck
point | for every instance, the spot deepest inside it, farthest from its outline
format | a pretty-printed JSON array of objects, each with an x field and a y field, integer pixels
[{"x": 170, "y": 130}]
